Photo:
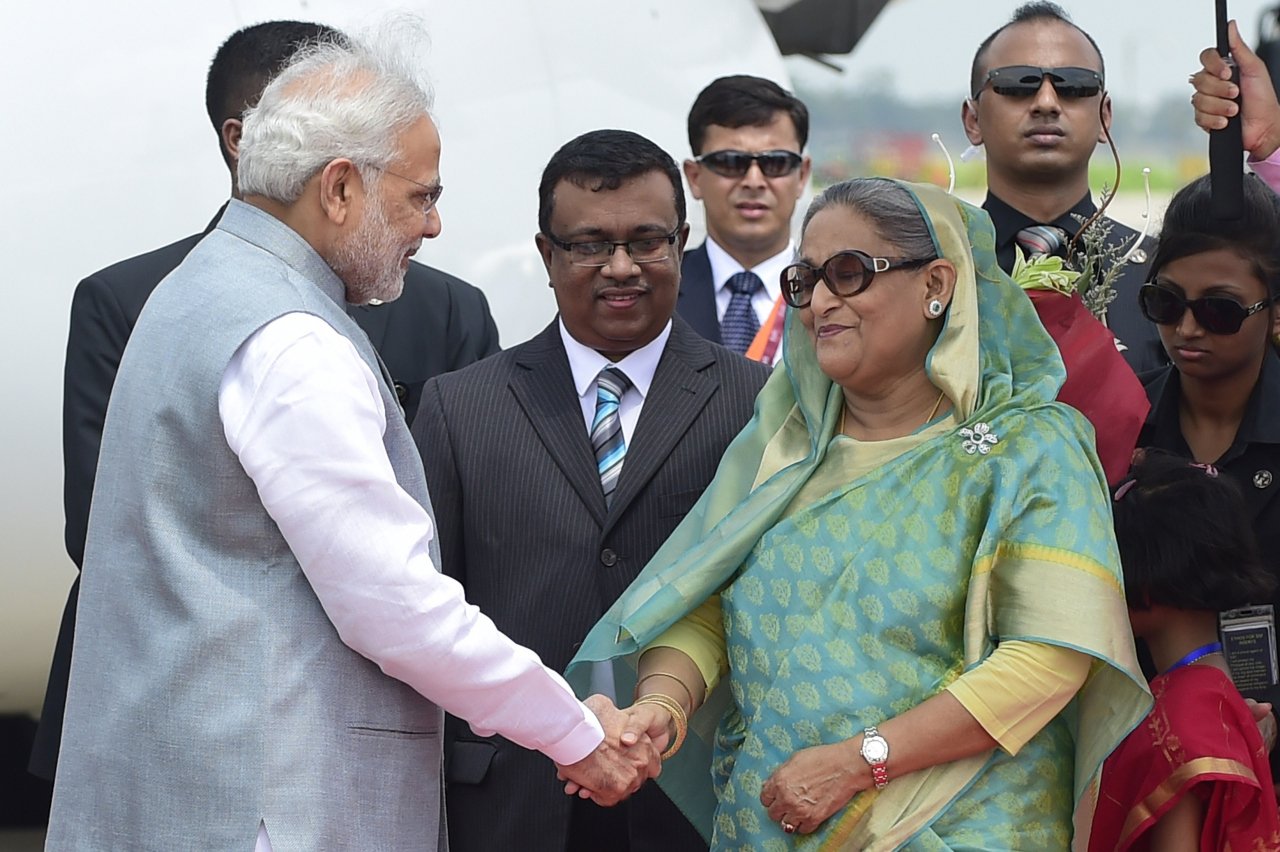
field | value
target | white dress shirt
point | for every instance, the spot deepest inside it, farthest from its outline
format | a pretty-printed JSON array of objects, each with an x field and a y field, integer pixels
[
  {"x": 304, "y": 414},
  {"x": 724, "y": 267},
  {"x": 640, "y": 365}
]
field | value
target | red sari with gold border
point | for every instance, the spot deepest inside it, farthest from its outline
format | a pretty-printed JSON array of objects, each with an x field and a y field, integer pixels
[{"x": 1199, "y": 740}]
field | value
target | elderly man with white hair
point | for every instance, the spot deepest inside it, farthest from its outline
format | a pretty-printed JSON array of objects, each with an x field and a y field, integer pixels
[{"x": 265, "y": 642}]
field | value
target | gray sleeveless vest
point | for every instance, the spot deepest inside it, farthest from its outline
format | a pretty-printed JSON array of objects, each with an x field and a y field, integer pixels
[{"x": 208, "y": 690}]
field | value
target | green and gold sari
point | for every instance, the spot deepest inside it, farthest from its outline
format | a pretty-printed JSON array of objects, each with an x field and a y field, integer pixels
[{"x": 859, "y": 579}]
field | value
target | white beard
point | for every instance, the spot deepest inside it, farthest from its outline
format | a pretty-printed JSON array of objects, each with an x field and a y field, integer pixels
[{"x": 368, "y": 260}]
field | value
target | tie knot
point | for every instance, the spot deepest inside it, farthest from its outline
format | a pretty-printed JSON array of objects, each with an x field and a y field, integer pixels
[
  {"x": 613, "y": 382},
  {"x": 1042, "y": 240},
  {"x": 745, "y": 283}
]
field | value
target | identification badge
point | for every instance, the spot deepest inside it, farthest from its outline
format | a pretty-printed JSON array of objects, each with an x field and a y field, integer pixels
[{"x": 1249, "y": 643}]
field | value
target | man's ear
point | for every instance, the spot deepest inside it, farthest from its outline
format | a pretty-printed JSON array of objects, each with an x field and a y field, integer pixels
[
  {"x": 969, "y": 118},
  {"x": 1106, "y": 118},
  {"x": 692, "y": 172},
  {"x": 545, "y": 249},
  {"x": 681, "y": 241},
  {"x": 231, "y": 130},
  {"x": 806, "y": 166},
  {"x": 340, "y": 189}
]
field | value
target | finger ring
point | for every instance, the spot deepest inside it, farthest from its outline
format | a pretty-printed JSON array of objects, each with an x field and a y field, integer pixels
[{"x": 788, "y": 828}]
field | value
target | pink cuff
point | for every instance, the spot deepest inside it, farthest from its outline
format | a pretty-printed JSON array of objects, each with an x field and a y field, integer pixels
[
  {"x": 1268, "y": 169},
  {"x": 578, "y": 743}
]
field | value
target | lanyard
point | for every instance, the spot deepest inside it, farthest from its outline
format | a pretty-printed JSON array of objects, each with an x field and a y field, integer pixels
[{"x": 1197, "y": 654}]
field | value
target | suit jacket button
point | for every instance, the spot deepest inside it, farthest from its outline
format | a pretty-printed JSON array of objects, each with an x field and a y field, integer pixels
[
  {"x": 608, "y": 558},
  {"x": 402, "y": 392}
]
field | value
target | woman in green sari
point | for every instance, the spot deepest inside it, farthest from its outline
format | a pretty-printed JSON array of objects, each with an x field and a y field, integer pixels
[{"x": 894, "y": 620}]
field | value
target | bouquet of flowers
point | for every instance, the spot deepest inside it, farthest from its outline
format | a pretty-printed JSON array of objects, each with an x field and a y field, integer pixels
[{"x": 1072, "y": 305}]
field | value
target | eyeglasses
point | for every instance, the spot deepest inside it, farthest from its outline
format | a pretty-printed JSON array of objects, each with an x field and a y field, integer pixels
[
  {"x": 600, "y": 252},
  {"x": 1215, "y": 314},
  {"x": 847, "y": 273},
  {"x": 1024, "y": 81},
  {"x": 735, "y": 164},
  {"x": 430, "y": 195}
]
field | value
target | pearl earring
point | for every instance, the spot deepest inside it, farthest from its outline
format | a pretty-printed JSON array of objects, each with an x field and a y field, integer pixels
[{"x": 935, "y": 308}]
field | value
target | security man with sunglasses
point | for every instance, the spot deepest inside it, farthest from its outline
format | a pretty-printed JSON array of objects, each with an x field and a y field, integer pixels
[
  {"x": 1038, "y": 105},
  {"x": 749, "y": 170}
]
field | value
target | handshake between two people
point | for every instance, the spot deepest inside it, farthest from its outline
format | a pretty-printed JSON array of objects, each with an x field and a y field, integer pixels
[{"x": 630, "y": 754}]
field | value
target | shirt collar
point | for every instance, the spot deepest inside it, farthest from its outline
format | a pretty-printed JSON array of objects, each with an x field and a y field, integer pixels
[
  {"x": 640, "y": 365},
  {"x": 1260, "y": 424},
  {"x": 1008, "y": 221},
  {"x": 724, "y": 267}
]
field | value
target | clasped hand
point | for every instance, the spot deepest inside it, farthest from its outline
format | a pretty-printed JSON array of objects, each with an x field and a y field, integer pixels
[
  {"x": 634, "y": 739},
  {"x": 813, "y": 784}
]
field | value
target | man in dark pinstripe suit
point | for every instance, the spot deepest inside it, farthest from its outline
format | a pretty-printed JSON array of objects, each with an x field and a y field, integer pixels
[{"x": 524, "y": 521}]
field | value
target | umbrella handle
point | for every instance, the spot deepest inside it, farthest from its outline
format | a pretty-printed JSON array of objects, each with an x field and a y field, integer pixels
[{"x": 1226, "y": 146}]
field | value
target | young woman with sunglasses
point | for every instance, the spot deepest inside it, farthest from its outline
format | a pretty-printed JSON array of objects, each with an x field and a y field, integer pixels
[{"x": 1212, "y": 295}]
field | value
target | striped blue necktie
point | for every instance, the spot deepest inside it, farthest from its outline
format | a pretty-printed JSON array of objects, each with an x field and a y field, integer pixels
[
  {"x": 606, "y": 428},
  {"x": 740, "y": 323}
]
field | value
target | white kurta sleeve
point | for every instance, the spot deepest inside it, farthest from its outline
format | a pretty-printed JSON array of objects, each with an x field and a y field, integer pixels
[{"x": 303, "y": 412}]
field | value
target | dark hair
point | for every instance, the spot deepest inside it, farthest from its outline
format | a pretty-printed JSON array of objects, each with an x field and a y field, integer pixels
[
  {"x": 1185, "y": 539},
  {"x": 603, "y": 159},
  {"x": 1190, "y": 227},
  {"x": 1026, "y": 13},
  {"x": 247, "y": 61},
  {"x": 744, "y": 101}
]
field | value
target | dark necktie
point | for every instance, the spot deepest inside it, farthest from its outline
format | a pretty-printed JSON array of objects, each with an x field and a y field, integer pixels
[
  {"x": 1042, "y": 240},
  {"x": 740, "y": 323},
  {"x": 606, "y": 429}
]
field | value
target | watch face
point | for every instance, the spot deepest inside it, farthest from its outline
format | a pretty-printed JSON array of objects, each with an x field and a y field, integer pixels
[{"x": 875, "y": 750}]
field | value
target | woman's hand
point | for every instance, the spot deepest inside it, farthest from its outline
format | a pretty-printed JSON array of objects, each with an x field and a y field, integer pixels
[
  {"x": 813, "y": 784},
  {"x": 1266, "y": 722}
]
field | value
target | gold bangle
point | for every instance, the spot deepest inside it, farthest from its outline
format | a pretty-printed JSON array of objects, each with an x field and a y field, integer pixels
[
  {"x": 688, "y": 692},
  {"x": 678, "y": 717}
]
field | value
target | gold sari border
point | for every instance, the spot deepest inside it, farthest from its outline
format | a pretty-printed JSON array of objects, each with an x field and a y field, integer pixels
[{"x": 1155, "y": 802}]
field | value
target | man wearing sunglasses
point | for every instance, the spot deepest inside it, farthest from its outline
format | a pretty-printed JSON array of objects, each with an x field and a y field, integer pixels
[
  {"x": 1039, "y": 106},
  {"x": 747, "y": 135},
  {"x": 558, "y": 467}
]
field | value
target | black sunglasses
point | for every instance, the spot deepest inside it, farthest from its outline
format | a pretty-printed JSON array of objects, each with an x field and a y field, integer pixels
[
  {"x": 1023, "y": 81},
  {"x": 735, "y": 164},
  {"x": 1216, "y": 314},
  {"x": 847, "y": 273}
]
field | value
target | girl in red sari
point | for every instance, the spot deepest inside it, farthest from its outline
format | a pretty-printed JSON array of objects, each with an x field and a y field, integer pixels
[{"x": 1194, "y": 774}]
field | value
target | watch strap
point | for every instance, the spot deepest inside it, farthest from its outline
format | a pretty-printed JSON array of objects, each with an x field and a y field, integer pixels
[{"x": 879, "y": 768}]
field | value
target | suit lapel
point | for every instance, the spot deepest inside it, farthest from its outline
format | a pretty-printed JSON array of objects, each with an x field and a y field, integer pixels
[
  {"x": 680, "y": 391},
  {"x": 697, "y": 303},
  {"x": 543, "y": 387}
]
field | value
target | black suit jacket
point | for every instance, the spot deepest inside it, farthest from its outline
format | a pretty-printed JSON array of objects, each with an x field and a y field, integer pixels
[
  {"x": 440, "y": 323},
  {"x": 523, "y": 526},
  {"x": 697, "y": 303}
]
